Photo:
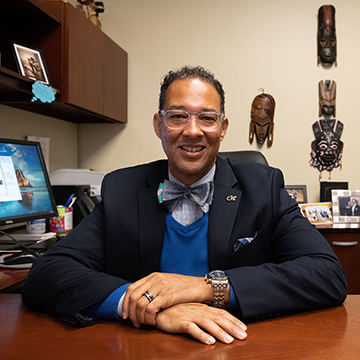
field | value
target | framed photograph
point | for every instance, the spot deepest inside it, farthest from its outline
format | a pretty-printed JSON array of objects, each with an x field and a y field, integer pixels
[
  {"x": 318, "y": 213},
  {"x": 31, "y": 64},
  {"x": 297, "y": 192},
  {"x": 327, "y": 186},
  {"x": 346, "y": 206}
]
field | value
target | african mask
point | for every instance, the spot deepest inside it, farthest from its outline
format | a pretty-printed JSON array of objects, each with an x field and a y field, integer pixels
[
  {"x": 262, "y": 119},
  {"x": 327, "y": 98},
  {"x": 326, "y": 35},
  {"x": 326, "y": 149}
]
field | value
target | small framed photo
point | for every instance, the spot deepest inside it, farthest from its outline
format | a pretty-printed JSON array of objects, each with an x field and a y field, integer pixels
[
  {"x": 327, "y": 186},
  {"x": 31, "y": 64},
  {"x": 346, "y": 206},
  {"x": 297, "y": 192},
  {"x": 318, "y": 213}
]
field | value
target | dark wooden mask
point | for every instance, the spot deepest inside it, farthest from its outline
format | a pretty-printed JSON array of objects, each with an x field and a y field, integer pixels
[
  {"x": 262, "y": 119},
  {"x": 327, "y": 98},
  {"x": 327, "y": 148},
  {"x": 326, "y": 35}
]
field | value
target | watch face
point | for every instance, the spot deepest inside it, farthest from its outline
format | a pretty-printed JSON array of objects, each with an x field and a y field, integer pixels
[{"x": 218, "y": 274}]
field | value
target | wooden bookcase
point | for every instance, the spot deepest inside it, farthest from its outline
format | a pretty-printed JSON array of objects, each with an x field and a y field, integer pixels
[{"x": 86, "y": 67}]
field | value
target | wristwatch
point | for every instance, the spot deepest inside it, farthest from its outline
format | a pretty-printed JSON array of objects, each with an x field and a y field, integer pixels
[{"x": 219, "y": 281}]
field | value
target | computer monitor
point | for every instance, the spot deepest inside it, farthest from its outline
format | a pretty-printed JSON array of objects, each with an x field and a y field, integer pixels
[{"x": 25, "y": 190}]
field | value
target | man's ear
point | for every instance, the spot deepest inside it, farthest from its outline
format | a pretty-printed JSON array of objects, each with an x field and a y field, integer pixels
[
  {"x": 224, "y": 127},
  {"x": 157, "y": 125}
]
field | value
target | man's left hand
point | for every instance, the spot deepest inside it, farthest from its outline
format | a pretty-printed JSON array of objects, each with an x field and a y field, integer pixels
[{"x": 202, "y": 322}]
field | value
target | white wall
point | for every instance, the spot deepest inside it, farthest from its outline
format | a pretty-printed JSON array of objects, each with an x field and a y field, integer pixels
[{"x": 248, "y": 45}]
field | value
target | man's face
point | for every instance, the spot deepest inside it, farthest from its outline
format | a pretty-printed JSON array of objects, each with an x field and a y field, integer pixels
[{"x": 191, "y": 151}]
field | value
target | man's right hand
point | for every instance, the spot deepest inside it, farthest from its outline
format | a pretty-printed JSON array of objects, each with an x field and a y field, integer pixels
[
  {"x": 167, "y": 290},
  {"x": 202, "y": 322}
]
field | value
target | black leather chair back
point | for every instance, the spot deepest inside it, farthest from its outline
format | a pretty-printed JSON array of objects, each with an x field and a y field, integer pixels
[{"x": 244, "y": 156}]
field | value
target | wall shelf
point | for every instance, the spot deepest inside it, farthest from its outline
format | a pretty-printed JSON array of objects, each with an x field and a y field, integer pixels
[{"x": 87, "y": 68}]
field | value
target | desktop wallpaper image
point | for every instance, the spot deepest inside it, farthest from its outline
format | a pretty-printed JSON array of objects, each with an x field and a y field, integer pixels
[{"x": 31, "y": 182}]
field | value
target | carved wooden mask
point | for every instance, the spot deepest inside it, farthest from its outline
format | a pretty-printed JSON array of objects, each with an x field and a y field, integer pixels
[
  {"x": 326, "y": 35},
  {"x": 262, "y": 119},
  {"x": 327, "y": 98},
  {"x": 326, "y": 149}
]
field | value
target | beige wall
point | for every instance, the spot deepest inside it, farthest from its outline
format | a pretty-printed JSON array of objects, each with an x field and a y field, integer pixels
[
  {"x": 248, "y": 45},
  {"x": 18, "y": 124}
]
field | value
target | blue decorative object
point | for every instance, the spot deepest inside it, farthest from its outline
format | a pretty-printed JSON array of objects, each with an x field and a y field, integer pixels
[{"x": 42, "y": 92}]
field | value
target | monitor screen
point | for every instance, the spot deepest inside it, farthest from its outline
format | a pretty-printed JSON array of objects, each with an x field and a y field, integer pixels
[{"x": 25, "y": 190}]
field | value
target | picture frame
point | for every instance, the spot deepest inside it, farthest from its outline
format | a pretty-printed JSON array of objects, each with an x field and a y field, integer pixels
[
  {"x": 318, "y": 213},
  {"x": 30, "y": 63},
  {"x": 297, "y": 192},
  {"x": 327, "y": 186},
  {"x": 343, "y": 202}
]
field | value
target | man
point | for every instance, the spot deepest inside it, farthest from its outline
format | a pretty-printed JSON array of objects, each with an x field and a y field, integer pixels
[
  {"x": 355, "y": 208},
  {"x": 142, "y": 256}
]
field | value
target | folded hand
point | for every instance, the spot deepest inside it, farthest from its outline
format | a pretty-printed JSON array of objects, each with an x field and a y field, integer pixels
[
  {"x": 203, "y": 322},
  {"x": 167, "y": 290}
]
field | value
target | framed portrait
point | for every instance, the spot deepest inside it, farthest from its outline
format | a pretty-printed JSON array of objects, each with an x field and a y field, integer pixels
[
  {"x": 31, "y": 63},
  {"x": 327, "y": 186},
  {"x": 318, "y": 213},
  {"x": 346, "y": 206},
  {"x": 297, "y": 192}
]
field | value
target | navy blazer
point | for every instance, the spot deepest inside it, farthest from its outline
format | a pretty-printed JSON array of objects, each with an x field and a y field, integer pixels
[{"x": 289, "y": 267}]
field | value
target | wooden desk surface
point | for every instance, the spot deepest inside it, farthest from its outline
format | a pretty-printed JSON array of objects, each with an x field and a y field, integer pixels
[
  {"x": 326, "y": 334},
  {"x": 12, "y": 277}
]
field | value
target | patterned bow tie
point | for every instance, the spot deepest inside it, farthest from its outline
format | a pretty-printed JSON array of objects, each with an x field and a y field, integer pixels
[{"x": 201, "y": 194}]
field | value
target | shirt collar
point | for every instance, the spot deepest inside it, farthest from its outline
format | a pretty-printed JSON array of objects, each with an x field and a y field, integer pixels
[{"x": 206, "y": 178}]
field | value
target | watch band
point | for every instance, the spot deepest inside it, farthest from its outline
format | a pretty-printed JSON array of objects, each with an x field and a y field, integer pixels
[{"x": 219, "y": 281}]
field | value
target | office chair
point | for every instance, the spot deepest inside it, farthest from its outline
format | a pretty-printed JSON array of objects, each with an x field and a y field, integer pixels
[{"x": 244, "y": 156}]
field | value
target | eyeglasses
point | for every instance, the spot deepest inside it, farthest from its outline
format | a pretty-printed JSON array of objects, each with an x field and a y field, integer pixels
[{"x": 178, "y": 119}]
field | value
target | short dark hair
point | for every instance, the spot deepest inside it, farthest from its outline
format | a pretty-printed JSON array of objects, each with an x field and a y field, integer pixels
[{"x": 191, "y": 72}]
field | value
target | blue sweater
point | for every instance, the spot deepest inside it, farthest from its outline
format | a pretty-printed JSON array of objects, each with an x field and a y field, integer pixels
[{"x": 184, "y": 252}]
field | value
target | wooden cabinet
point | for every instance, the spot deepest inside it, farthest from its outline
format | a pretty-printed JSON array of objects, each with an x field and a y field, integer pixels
[
  {"x": 346, "y": 245},
  {"x": 86, "y": 67}
]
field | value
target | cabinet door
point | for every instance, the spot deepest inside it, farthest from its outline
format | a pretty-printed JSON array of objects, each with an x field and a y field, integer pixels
[
  {"x": 83, "y": 62},
  {"x": 346, "y": 245},
  {"x": 115, "y": 81}
]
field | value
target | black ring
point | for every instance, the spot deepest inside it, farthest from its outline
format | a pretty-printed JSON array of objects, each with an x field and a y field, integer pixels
[{"x": 149, "y": 296}]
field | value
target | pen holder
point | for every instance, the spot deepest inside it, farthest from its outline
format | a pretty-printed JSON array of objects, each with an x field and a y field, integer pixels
[{"x": 63, "y": 222}]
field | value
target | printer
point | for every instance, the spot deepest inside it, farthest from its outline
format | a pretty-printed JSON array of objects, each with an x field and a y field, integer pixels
[{"x": 85, "y": 184}]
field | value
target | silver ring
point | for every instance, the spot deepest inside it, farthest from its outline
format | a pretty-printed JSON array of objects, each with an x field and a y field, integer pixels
[{"x": 149, "y": 296}]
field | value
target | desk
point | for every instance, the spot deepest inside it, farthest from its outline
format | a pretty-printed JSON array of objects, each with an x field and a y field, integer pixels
[
  {"x": 12, "y": 279},
  {"x": 326, "y": 334}
]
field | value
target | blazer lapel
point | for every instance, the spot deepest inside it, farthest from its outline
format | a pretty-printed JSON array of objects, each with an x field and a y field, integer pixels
[
  {"x": 222, "y": 215},
  {"x": 151, "y": 222}
]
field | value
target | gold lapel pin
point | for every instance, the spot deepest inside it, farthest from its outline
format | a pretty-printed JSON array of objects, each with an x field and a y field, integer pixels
[{"x": 231, "y": 198}]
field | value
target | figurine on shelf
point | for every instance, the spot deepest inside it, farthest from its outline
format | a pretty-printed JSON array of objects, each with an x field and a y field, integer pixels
[
  {"x": 93, "y": 8},
  {"x": 79, "y": 6}
]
